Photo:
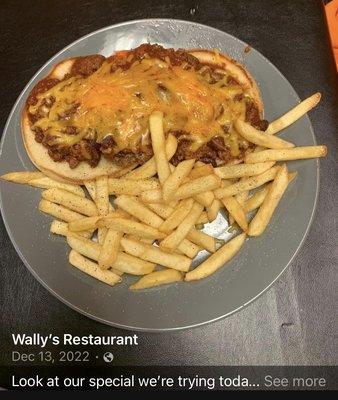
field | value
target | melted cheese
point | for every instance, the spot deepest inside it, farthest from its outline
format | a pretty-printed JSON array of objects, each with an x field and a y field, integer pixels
[{"x": 120, "y": 103}]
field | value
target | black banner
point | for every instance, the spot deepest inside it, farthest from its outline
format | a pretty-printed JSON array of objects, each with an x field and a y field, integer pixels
[{"x": 110, "y": 377}]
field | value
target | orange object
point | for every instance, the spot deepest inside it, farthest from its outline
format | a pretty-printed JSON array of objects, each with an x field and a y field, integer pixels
[{"x": 331, "y": 10}]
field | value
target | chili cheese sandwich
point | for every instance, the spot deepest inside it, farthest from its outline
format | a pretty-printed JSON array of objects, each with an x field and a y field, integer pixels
[{"x": 90, "y": 116}]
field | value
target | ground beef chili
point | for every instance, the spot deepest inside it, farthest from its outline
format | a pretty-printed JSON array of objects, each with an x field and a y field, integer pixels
[{"x": 88, "y": 150}]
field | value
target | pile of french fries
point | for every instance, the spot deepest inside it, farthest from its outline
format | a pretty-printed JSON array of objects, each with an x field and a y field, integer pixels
[{"x": 153, "y": 227}]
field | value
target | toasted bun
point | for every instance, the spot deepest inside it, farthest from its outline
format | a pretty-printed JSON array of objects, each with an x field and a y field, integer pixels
[
  {"x": 61, "y": 170},
  {"x": 235, "y": 69},
  {"x": 83, "y": 172}
]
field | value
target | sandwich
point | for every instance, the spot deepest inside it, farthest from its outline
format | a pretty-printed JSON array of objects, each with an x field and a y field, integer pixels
[{"x": 90, "y": 115}]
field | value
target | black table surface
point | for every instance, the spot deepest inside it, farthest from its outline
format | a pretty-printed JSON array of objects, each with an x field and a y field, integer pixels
[{"x": 291, "y": 324}]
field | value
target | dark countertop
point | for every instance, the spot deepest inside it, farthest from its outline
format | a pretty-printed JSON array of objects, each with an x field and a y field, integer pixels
[{"x": 292, "y": 323}]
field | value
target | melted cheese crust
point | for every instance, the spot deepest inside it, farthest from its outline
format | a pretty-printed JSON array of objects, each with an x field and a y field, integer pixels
[{"x": 119, "y": 104}]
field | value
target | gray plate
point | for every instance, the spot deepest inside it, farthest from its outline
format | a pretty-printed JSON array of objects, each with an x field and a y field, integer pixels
[{"x": 249, "y": 274}]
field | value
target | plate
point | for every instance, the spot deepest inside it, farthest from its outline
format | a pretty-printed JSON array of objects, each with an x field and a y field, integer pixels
[{"x": 261, "y": 260}]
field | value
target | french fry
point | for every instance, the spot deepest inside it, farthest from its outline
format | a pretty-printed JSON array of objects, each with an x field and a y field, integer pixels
[
  {"x": 242, "y": 170},
  {"x": 276, "y": 190},
  {"x": 124, "y": 171},
  {"x": 91, "y": 268},
  {"x": 257, "y": 198},
  {"x": 246, "y": 184},
  {"x": 203, "y": 240},
  {"x": 205, "y": 199},
  {"x": 158, "y": 143},
  {"x": 110, "y": 248},
  {"x": 213, "y": 210},
  {"x": 83, "y": 224},
  {"x": 138, "y": 210},
  {"x": 70, "y": 200},
  {"x": 124, "y": 262},
  {"x": 293, "y": 115},
  {"x": 163, "y": 210},
  {"x": 297, "y": 153},
  {"x": 236, "y": 211},
  {"x": 155, "y": 255},
  {"x": 152, "y": 196},
  {"x": 197, "y": 186},
  {"x": 203, "y": 219},
  {"x": 172, "y": 183},
  {"x": 58, "y": 211},
  {"x": 61, "y": 228},
  {"x": 175, "y": 238},
  {"x": 22, "y": 177},
  {"x": 91, "y": 188},
  {"x": 177, "y": 216},
  {"x": 188, "y": 248},
  {"x": 130, "y": 227},
  {"x": 241, "y": 198},
  {"x": 260, "y": 138},
  {"x": 102, "y": 204},
  {"x": 128, "y": 186},
  {"x": 102, "y": 195},
  {"x": 201, "y": 170},
  {"x": 148, "y": 169},
  {"x": 157, "y": 278},
  {"x": 47, "y": 183},
  {"x": 217, "y": 260}
]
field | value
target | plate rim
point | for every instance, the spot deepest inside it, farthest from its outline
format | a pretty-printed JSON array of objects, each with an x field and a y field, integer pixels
[{"x": 86, "y": 313}]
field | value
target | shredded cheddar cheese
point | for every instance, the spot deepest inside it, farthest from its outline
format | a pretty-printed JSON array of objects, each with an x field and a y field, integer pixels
[{"x": 119, "y": 104}]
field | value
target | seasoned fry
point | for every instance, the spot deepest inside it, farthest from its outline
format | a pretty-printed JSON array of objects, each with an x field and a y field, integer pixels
[
  {"x": 83, "y": 224},
  {"x": 205, "y": 199},
  {"x": 203, "y": 240},
  {"x": 61, "y": 228},
  {"x": 70, "y": 200},
  {"x": 157, "y": 278},
  {"x": 294, "y": 114},
  {"x": 110, "y": 248},
  {"x": 188, "y": 248},
  {"x": 260, "y": 138},
  {"x": 102, "y": 195},
  {"x": 158, "y": 143},
  {"x": 297, "y": 153},
  {"x": 138, "y": 210},
  {"x": 154, "y": 254},
  {"x": 163, "y": 210},
  {"x": 175, "y": 179},
  {"x": 129, "y": 187},
  {"x": 91, "y": 268},
  {"x": 58, "y": 211},
  {"x": 47, "y": 183},
  {"x": 102, "y": 204},
  {"x": 201, "y": 170},
  {"x": 246, "y": 184},
  {"x": 236, "y": 211},
  {"x": 91, "y": 188},
  {"x": 217, "y": 260},
  {"x": 177, "y": 216},
  {"x": 130, "y": 227},
  {"x": 148, "y": 169},
  {"x": 198, "y": 185},
  {"x": 257, "y": 198},
  {"x": 276, "y": 190},
  {"x": 242, "y": 170},
  {"x": 175, "y": 238},
  {"x": 203, "y": 219},
  {"x": 124, "y": 262},
  {"x": 22, "y": 177},
  {"x": 124, "y": 171},
  {"x": 213, "y": 210},
  {"x": 152, "y": 196}
]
